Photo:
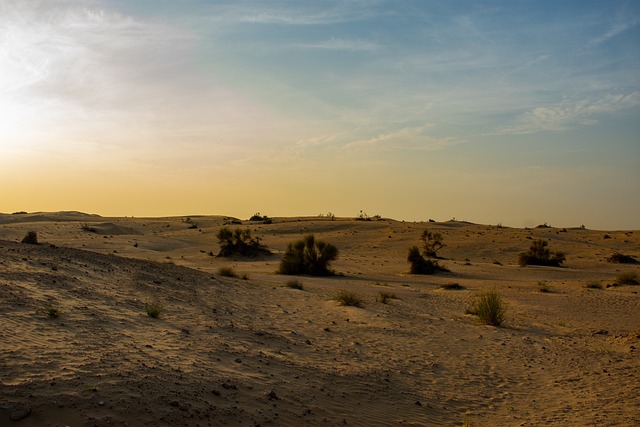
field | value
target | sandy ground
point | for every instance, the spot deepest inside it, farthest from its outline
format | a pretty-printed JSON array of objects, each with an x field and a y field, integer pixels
[{"x": 252, "y": 352}]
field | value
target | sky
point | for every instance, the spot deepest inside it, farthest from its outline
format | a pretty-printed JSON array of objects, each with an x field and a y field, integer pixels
[{"x": 497, "y": 112}]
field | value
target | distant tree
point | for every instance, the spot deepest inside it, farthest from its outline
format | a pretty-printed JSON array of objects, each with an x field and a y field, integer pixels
[
  {"x": 431, "y": 243},
  {"x": 308, "y": 256}
]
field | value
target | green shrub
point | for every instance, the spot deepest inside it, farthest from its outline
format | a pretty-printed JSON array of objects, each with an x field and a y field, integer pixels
[
  {"x": 227, "y": 272},
  {"x": 420, "y": 265},
  {"x": 349, "y": 298},
  {"x": 239, "y": 242},
  {"x": 308, "y": 256},
  {"x": 540, "y": 254},
  {"x": 630, "y": 278},
  {"x": 154, "y": 310},
  {"x": 31, "y": 238},
  {"x": 488, "y": 306},
  {"x": 294, "y": 284}
]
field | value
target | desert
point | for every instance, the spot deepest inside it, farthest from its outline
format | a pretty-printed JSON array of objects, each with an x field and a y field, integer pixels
[{"x": 79, "y": 347}]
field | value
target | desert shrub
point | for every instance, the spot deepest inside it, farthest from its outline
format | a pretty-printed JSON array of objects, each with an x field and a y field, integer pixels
[
  {"x": 594, "y": 284},
  {"x": 544, "y": 287},
  {"x": 420, "y": 265},
  {"x": 52, "y": 312},
  {"x": 489, "y": 308},
  {"x": 257, "y": 217},
  {"x": 431, "y": 243},
  {"x": 349, "y": 298},
  {"x": 227, "y": 272},
  {"x": 294, "y": 284},
  {"x": 384, "y": 297},
  {"x": 154, "y": 310},
  {"x": 362, "y": 216},
  {"x": 618, "y": 258},
  {"x": 452, "y": 287},
  {"x": 540, "y": 254},
  {"x": 239, "y": 242},
  {"x": 31, "y": 238},
  {"x": 308, "y": 256},
  {"x": 630, "y": 278}
]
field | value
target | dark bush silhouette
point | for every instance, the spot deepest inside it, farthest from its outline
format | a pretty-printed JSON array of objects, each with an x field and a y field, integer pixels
[
  {"x": 239, "y": 242},
  {"x": 420, "y": 265},
  {"x": 308, "y": 256},
  {"x": 257, "y": 217},
  {"x": 540, "y": 254},
  {"x": 431, "y": 243},
  {"x": 31, "y": 238},
  {"x": 618, "y": 258}
]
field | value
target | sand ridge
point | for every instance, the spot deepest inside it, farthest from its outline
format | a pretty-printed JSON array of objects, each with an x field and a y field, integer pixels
[{"x": 252, "y": 352}]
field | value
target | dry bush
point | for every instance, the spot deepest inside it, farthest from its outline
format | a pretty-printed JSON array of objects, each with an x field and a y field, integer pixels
[
  {"x": 489, "y": 308},
  {"x": 540, "y": 254},
  {"x": 308, "y": 256}
]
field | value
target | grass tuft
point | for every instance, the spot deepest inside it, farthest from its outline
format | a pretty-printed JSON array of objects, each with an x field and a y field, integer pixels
[
  {"x": 544, "y": 287},
  {"x": 30, "y": 238},
  {"x": 384, "y": 297},
  {"x": 489, "y": 308},
  {"x": 294, "y": 284},
  {"x": 452, "y": 287},
  {"x": 227, "y": 272},
  {"x": 349, "y": 298},
  {"x": 594, "y": 284},
  {"x": 630, "y": 278}
]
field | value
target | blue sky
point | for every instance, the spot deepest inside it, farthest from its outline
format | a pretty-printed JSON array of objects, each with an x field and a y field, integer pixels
[{"x": 519, "y": 112}]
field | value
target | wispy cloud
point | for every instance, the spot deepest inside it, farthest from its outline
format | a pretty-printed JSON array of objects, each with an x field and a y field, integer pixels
[
  {"x": 616, "y": 29},
  {"x": 342, "y": 44},
  {"x": 569, "y": 114},
  {"x": 408, "y": 138}
]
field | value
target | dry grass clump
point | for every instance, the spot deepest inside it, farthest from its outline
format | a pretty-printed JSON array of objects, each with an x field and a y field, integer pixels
[
  {"x": 593, "y": 284},
  {"x": 294, "y": 284},
  {"x": 540, "y": 254},
  {"x": 52, "y": 312},
  {"x": 452, "y": 287},
  {"x": 227, "y": 272},
  {"x": 489, "y": 308},
  {"x": 544, "y": 287},
  {"x": 349, "y": 298},
  {"x": 630, "y": 278},
  {"x": 384, "y": 297}
]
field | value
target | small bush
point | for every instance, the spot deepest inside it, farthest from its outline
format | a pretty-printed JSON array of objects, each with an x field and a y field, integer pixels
[
  {"x": 593, "y": 285},
  {"x": 544, "y": 287},
  {"x": 227, "y": 272},
  {"x": 308, "y": 256},
  {"x": 420, "y": 265},
  {"x": 618, "y": 258},
  {"x": 349, "y": 298},
  {"x": 154, "y": 310},
  {"x": 488, "y": 306},
  {"x": 540, "y": 254},
  {"x": 239, "y": 242},
  {"x": 294, "y": 284},
  {"x": 630, "y": 278},
  {"x": 257, "y": 217},
  {"x": 453, "y": 287},
  {"x": 384, "y": 297},
  {"x": 52, "y": 312},
  {"x": 31, "y": 238}
]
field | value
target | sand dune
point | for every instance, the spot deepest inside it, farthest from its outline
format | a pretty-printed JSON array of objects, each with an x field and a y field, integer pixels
[{"x": 251, "y": 352}]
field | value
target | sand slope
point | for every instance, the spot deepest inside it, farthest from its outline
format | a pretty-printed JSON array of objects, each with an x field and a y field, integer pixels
[{"x": 252, "y": 352}]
